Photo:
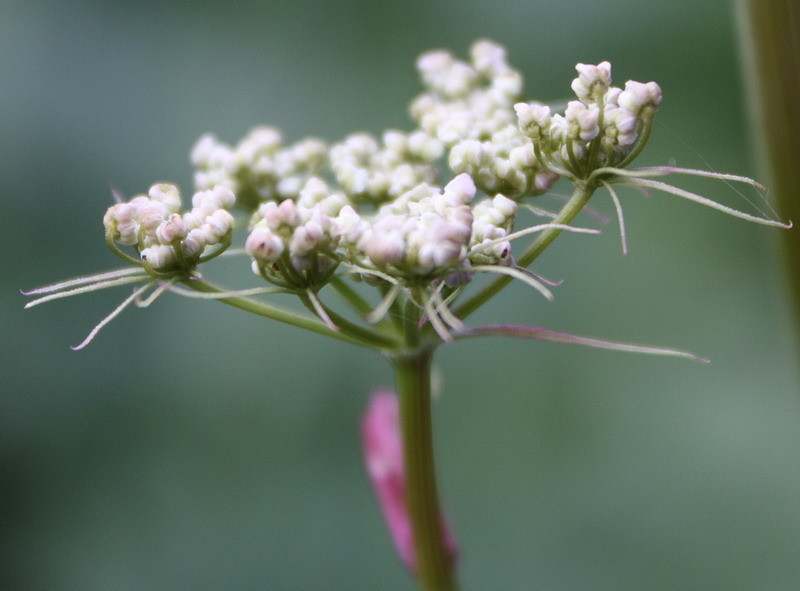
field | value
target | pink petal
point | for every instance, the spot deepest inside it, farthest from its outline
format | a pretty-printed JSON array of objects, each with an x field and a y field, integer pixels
[{"x": 383, "y": 452}]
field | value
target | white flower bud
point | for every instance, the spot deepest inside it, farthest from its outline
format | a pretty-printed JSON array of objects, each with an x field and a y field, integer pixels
[
  {"x": 217, "y": 226},
  {"x": 194, "y": 244},
  {"x": 638, "y": 95},
  {"x": 425, "y": 147},
  {"x": 263, "y": 245},
  {"x": 305, "y": 239},
  {"x": 507, "y": 87},
  {"x": 533, "y": 118},
  {"x": 167, "y": 194},
  {"x": 216, "y": 198},
  {"x": 152, "y": 215},
  {"x": 488, "y": 57},
  {"x": 314, "y": 191},
  {"x": 287, "y": 213},
  {"x": 349, "y": 225},
  {"x": 260, "y": 140},
  {"x": 171, "y": 229},
  {"x": 128, "y": 232},
  {"x": 582, "y": 120},
  {"x": 395, "y": 141},
  {"x": 461, "y": 189},
  {"x": 620, "y": 127},
  {"x": 592, "y": 81},
  {"x": 384, "y": 243},
  {"x": 159, "y": 256},
  {"x": 544, "y": 180},
  {"x": 434, "y": 61},
  {"x": 522, "y": 157},
  {"x": 289, "y": 187},
  {"x": 504, "y": 205},
  {"x": 202, "y": 149}
]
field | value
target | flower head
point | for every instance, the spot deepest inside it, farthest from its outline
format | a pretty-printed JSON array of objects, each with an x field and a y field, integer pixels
[
  {"x": 606, "y": 127},
  {"x": 167, "y": 240},
  {"x": 383, "y": 210}
]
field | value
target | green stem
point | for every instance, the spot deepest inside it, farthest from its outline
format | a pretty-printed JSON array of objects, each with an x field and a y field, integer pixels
[
  {"x": 769, "y": 34},
  {"x": 350, "y": 296},
  {"x": 353, "y": 329},
  {"x": 370, "y": 340},
  {"x": 583, "y": 192},
  {"x": 435, "y": 567},
  {"x": 358, "y": 303}
]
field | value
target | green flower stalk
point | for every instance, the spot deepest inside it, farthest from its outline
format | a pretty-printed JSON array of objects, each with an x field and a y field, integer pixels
[
  {"x": 399, "y": 227},
  {"x": 769, "y": 35}
]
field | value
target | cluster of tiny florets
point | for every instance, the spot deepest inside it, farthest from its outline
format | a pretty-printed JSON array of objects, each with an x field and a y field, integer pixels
[
  {"x": 376, "y": 204},
  {"x": 426, "y": 231},
  {"x": 294, "y": 243},
  {"x": 470, "y": 109},
  {"x": 379, "y": 210},
  {"x": 260, "y": 167},
  {"x": 492, "y": 223},
  {"x": 382, "y": 209},
  {"x": 376, "y": 172},
  {"x": 166, "y": 239},
  {"x": 600, "y": 129}
]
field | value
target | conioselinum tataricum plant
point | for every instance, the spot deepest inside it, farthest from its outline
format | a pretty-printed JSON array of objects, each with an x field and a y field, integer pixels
[{"x": 396, "y": 228}]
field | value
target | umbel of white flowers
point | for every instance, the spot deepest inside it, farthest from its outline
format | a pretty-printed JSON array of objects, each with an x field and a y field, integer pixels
[
  {"x": 384, "y": 210},
  {"x": 166, "y": 239},
  {"x": 605, "y": 127}
]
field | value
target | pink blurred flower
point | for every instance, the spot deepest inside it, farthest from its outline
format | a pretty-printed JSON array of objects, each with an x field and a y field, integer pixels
[{"x": 383, "y": 452}]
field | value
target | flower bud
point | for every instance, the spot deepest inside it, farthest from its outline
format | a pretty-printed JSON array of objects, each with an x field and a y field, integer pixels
[
  {"x": 533, "y": 118},
  {"x": 171, "y": 229},
  {"x": 159, "y": 256},
  {"x": 263, "y": 245},
  {"x": 167, "y": 194},
  {"x": 637, "y": 96}
]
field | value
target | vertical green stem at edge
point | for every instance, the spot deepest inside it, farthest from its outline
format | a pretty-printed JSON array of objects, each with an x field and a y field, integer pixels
[
  {"x": 435, "y": 569},
  {"x": 769, "y": 39}
]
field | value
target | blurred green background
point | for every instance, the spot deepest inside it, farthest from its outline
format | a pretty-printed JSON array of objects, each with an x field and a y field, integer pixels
[{"x": 193, "y": 447}]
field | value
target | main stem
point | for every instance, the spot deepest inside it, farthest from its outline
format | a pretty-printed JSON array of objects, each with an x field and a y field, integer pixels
[
  {"x": 769, "y": 34},
  {"x": 435, "y": 570}
]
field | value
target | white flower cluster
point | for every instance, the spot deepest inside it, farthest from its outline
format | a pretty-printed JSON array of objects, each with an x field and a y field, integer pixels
[
  {"x": 469, "y": 108},
  {"x": 369, "y": 171},
  {"x": 493, "y": 220},
  {"x": 426, "y": 231},
  {"x": 386, "y": 213},
  {"x": 600, "y": 129},
  {"x": 166, "y": 239},
  {"x": 294, "y": 243},
  {"x": 260, "y": 167}
]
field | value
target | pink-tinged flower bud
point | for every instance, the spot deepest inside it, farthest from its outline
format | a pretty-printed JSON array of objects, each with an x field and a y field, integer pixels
[
  {"x": 288, "y": 214},
  {"x": 383, "y": 453},
  {"x": 172, "y": 228},
  {"x": 263, "y": 245}
]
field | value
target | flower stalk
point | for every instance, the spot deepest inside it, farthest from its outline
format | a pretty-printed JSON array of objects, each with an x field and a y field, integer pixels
[
  {"x": 580, "y": 197},
  {"x": 433, "y": 559},
  {"x": 769, "y": 34}
]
